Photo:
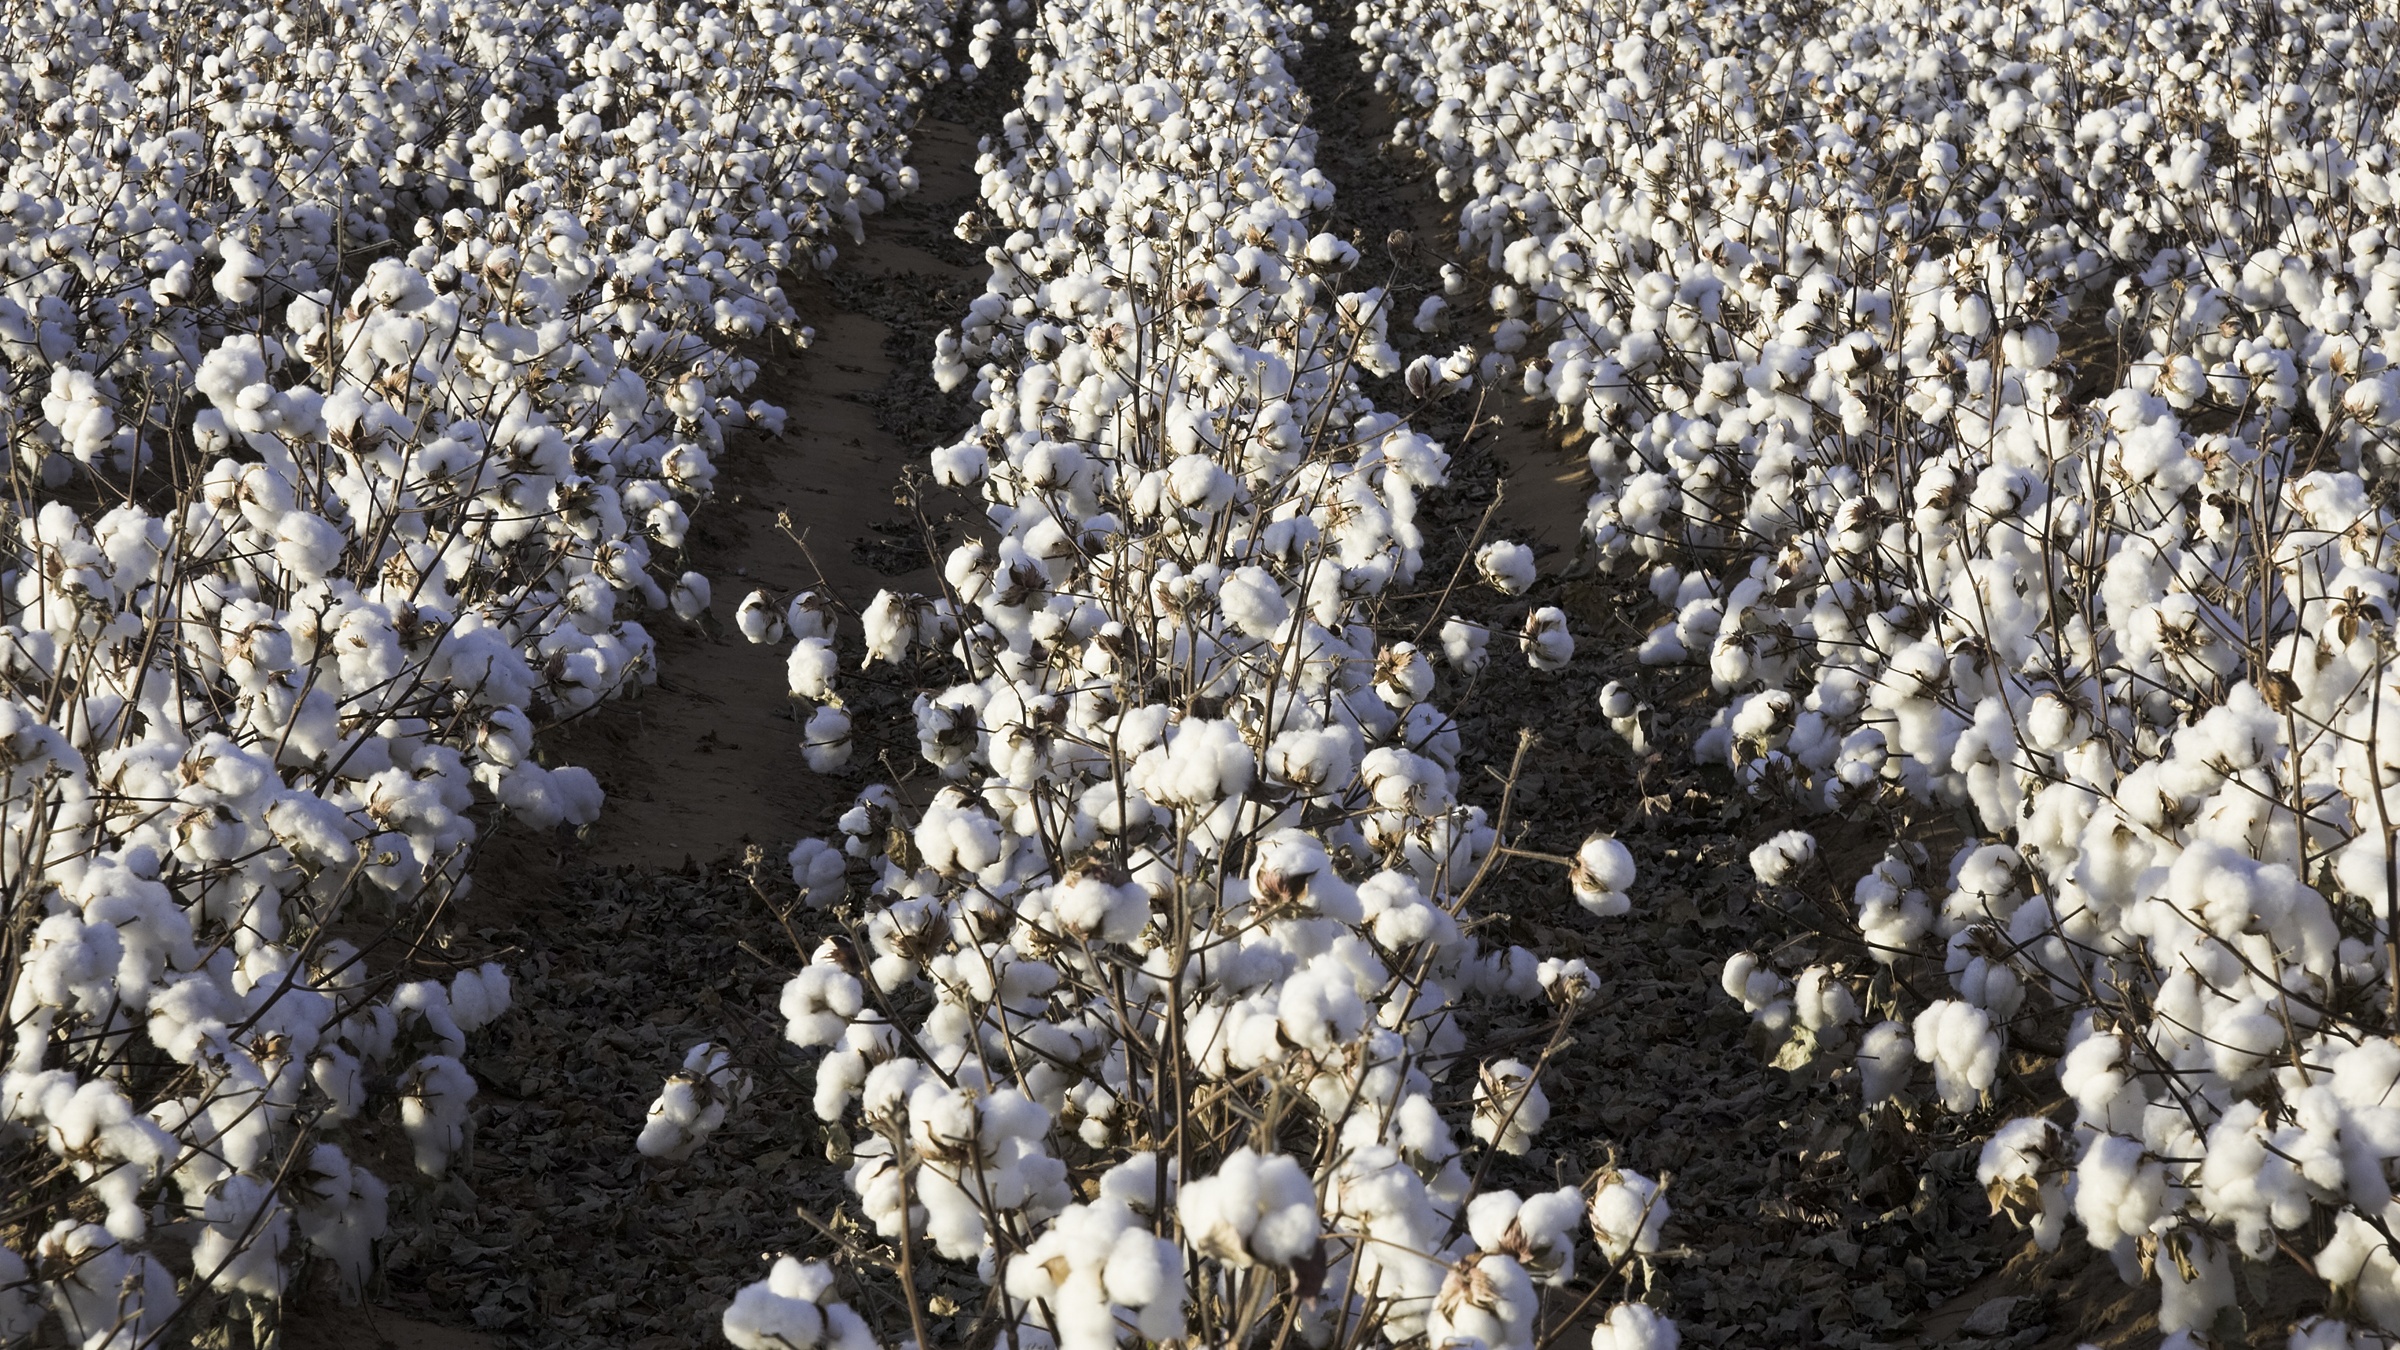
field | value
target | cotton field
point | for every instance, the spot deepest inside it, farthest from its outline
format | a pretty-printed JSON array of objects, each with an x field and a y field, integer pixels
[{"x": 1607, "y": 673}]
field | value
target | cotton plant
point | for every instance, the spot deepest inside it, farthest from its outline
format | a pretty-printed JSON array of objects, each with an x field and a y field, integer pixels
[
  {"x": 1151, "y": 1000},
  {"x": 2127, "y": 615},
  {"x": 354, "y": 439}
]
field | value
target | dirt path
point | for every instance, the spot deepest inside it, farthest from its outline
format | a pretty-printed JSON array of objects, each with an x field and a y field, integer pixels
[{"x": 709, "y": 760}]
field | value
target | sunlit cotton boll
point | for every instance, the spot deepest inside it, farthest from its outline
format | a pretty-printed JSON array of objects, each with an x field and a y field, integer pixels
[
  {"x": 689, "y": 599},
  {"x": 1547, "y": 643},
  {"x": 794, "y": 1309},
  {"x": 1780, "y": 859},
  {"x": 1464, "y": 644},
  {"x": 1636, "y": 1326},
  {"x": 1510, "y": 1106},
  {"x": 825, "y": 743},
  {"x": 1602, "y": 877},
  {"x": 1505, "y": 566},
  {"x": 693, "y": 1104},
  {"x": 1256, "y": 1209},
  {"x": 759, "y": 623}
]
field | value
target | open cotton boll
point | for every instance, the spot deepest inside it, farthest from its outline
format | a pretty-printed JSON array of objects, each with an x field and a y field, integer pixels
[
  {"x": 1602, "y": 877},
  {"x": 891, "y": 624},
  {"x": 20, "y": 1311},
  {"x": 1505, "y": 566},
  {"x": 1510, "y": 1106},
  {"x": 2023, "y": 1171},
  {"x": 1256, "y": 1209},
  {"x": 1547, "y": 643},
  {"x": 759, "y": 623},
  {"x": 1463, "y": 644},
  {"x": 307, "y": 546},
  {"x": 1628, "y": 1214},
  {"x": 819, "y": 870},
  {"x": 825, "y": 742},
  {"x": 106, "y": 1298},
  {"x": 1886, "y": 1059},
  {"x": 794, "y": 1309},
  {"x": 1958, "y": 1040},
  {"x": 1636, "y": 1326},
  {"x": 1093, "y": 909},
  {"x": 434, "y": 1097},
  {"x": 810, "y": 668},
  {"x": 689, "y": 599},
  {"x": 1253, "y": 602},
  {"x": 1569, "y": 983},
  {"x": 693, "y": 1104},
  {"x": 1780, "y": 859},
  {"x": 478, "y": 996},
  {"x": 1487, "y": 1300}
]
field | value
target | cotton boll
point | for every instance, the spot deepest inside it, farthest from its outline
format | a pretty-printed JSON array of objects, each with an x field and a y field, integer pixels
[
  {"x": 825, "y": 742},
  {"x": 1568, "y": 983},
  {"x": 811, "y": 667},
  {"x": 1093, "y": 909},
  {"x": 308, "y": 547},
  {"x": 1506, "y": 567},
  {"x": 689, "y": 599},
  {"x": 1547, "y": 643},
  {"x": 1253, "y": 602},
  {"x": 1254, "y": 1210},
  {"x": 434, "y": 1094},
  {"x": 1510, "y": 1106},
  {"x": 759, "y": 623},
  {"x": 794, "y": 1309},
  {"x": 1780, "y": 859},
  {"x": 1628, "y": 1214},
  {"x": 891, "y": 625},
  {"x": 19, "y": 1312},
  {"x": 1636, "y": 1326},
  {"x": 1886, "y": 1058},
  {"x": 1463, "y": 644},
  {"x": 1958, "y": 1040},
  {"x": 819, "y": 870},
  {"x": 2022, "y": 1170},
  {"x": 1486, "y": 1300},
  {"x": 1602, "y": 877},
  {"x": 693, "y": 1104}
]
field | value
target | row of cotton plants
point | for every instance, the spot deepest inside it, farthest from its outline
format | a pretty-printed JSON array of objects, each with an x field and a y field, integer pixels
[
  {"x": 2127, "y": 607},
  {"x": 1157, "y": 1010},
  {"x": 362, "y": 365}
]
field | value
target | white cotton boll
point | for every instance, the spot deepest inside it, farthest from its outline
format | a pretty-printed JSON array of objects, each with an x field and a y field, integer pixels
[
  {"x": 1886, "y": 1058},
  {"x": 1753, "y": 982},
  {"x": 809, "y": 615},
  {"x": 825, "y": 741},
  {"x": 1628, "y": 1215},
  {"x": 810, "y": 668},
  {"x": 434, "y": 1095},
  {"x": 819, "y": 1003},
  {"x": 307, "y": 546},
  {"x": 1313, "y": 761},
  {"x": 1570, "y": 983},
  {"x": 819, "y": 870},
  {"x": 794, "y": 1309},
  {"x": 891, "y": 624},
  {"x": 1505, "y": 566},
  {"x": 693, "y": 1104},
  {"x": 1636, "y": 1326},
  {"x": 689, "y": 599},
  {"x": 1253, "y": 602},
  {"x": 1780, "y": 859},
  {"x": 1958, "y": 1040},
  {"x": 20, "y": 1312},
  {"x": 479, "y": 996},
  {"x": 1510, "y": 1106},
  {"x": 759, "y": 623},
  {"x": 2023, "y": 1169},
  {"x": 1602, "y": 877},
  {"x": 1403, "y": 677},
  {"x": 1823, "y": 1001},
  {"x": 1256, "y": 1209},
  {"x": 2195, "y": 1281},
  {"x": 1429, "y": 314},
  {"x": 1547, "y": 643},
  {"x": 245, "y": 1228},
  {"x": 1485, "y": 1300},
  {"x": 1463, "y": 644},
  {"x": 1094, "y": 910}
]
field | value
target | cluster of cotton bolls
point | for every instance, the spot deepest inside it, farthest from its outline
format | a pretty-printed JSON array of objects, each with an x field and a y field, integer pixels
[
  {"x": 2052, "y": 486},
  {"x": 361, "y": 371},
  {"x": 1153, "y": 1000}
]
